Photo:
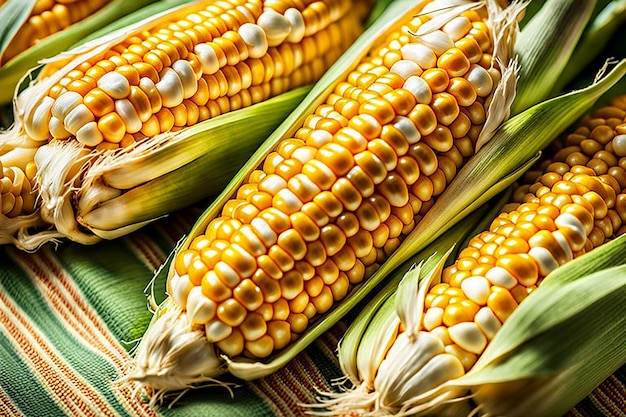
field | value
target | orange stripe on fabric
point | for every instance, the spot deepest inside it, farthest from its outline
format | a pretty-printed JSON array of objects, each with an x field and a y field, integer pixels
[
  {"x": 68, "y": 302},
  {"x": 7, "y": 408},
  {"x": 179, "y": 223},
  {"x": 296, "y": 383},
  {"x": 606, "y": 399},
  {"x": 147, "y": 250},
  {"x": 71, "y": 393}
]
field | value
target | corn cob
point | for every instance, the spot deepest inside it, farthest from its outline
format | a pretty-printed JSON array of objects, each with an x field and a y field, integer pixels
[
  {"x": 129, "y": 93},
  {"x": 48, "y": 17},
  {"x": 575, "y": 204},
  {"x": 332, "y": 200}
]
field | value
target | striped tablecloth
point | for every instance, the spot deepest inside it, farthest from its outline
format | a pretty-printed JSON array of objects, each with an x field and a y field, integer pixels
[{"x": 70, "y": 314}]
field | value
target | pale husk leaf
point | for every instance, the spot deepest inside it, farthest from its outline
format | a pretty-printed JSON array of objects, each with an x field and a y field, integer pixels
[{"x": 560, "y": 22}]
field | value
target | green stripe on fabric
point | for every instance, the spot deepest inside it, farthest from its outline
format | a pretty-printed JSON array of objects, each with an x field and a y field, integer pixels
[
  {"x": 114, "y": 281},
  {"x": 216, "y": 401},
  {"x": 18, "y": 383},
  {"x": 90, "y": 365},
  {"x": 113, "y": 284}
]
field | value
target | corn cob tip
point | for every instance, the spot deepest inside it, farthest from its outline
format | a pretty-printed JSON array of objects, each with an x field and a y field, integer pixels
[{"x": 174, "y": 355}]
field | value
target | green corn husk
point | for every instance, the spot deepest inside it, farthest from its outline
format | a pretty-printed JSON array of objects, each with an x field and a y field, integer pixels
[
  {"x": 601, "y": 30},
  {"x": 15, "y": 12},
  {"x": 515, "y": 146},
  {"x": 552, "y": 70},
  {"x": 557, "y": 19}
]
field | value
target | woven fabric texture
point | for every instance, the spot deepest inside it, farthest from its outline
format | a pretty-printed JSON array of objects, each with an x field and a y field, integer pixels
[{"x": 70, "y": 316}]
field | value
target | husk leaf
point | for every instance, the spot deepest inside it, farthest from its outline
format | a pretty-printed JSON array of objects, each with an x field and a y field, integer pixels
[
  {"x": 561, "y": 22},
  {"x": 13, "y": 14},
  {"x": 599, "y": 31}
]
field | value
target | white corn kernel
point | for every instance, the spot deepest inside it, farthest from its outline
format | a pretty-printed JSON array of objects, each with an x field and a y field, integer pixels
[
  {"x": 227, "y": 274},
  {"x": 37, "y": 121},
  {"x": 179, "y": 287},
  {"x": 272, "y": 183},
  {"x": 304, "y": 153},
  {"x": 420, "y": 89},
  {"x": 114, "y": 84},
  {"x": 170, "y": 87},
  {"x": 89, "y": 134},
  {"x": 296, "y": 21},
  {"x": 569, "y": 221},
  {"x": 420, "y": 54},
  {"x": 560, "y": 237},
  {"x": 406, "y": 68},
  {"x": 275, "y": 25},
  {"x": 187, "y": 77},
  {"x": 254, "y": 37},
  {"x": 619, "y": 145},
  {"x": 264, "y": 231},
  {"x": 457, "y": 27},
  {"x": 487, "y": 322},
  {"x": 292, "y": 202},
  {"x": 408, "y": 129},
  {"x": 501, "y": 277},
  {"x": 477, "y": 289},
  {"x": 545, "y": 260},
  {"x": 77, "y": 118},
  {"x": 217, "y": 330},
  {"x": 56, "y": 128},
  {"x": 468, "y": 336},
  {"x": 200, "y": 309},
  {"x": 480, "y": 79},
  {"x": 433, "y": 318},
  {"x": 129, "y": 115},
  {"x": 65, "y": 103},
  {"x": 207, "y": 57},
  {"x": 437, "y": 40}
]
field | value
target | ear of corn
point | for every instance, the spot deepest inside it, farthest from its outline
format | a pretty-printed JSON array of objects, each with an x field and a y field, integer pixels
[
  {"x": 38, "y": 29},
  {"x": 445, "y": 323},
  {"x": 283, "y": 245},
  {"x": 110, "y": 115}
]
